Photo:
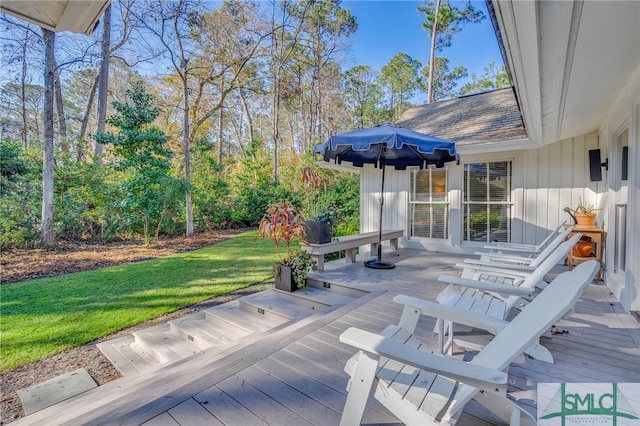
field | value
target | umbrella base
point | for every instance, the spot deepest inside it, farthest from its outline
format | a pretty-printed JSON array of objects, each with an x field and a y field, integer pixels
[{"x": 378, "y": 264}]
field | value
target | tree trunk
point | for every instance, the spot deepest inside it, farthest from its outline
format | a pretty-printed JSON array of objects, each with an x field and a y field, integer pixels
[
  {"x": 432, "y": 54},
  {"x": 62, "y": 122},
  {"x": 46, "y": 234},
  {"x": 220, "y": 133},
  {"x": 303, "y": 113},
  {"x": 276, "y": 125},
  {"x": 249, "y": 119},
  {"x": 238, "y": 128},
  {"x": 23, "y": 93},
  {"x": 85, "y": 119},
  {"x": 186, "y": 148},
  {"x": 103, "y": 84}
]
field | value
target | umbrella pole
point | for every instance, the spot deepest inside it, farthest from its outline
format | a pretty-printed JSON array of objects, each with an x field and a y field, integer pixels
[{"x": 378, "y": 263}]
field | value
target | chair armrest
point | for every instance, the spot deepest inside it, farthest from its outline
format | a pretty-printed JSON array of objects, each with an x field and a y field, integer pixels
[
  {"x": 514, "y": 248},
  {"x": 448, "y": 313},
  {"x": 502, "y": 257},
  {"x": 503, "y": 290},
  {"x": 497, "y": 270},
  {"x": 488, "y": 379},
  {"x": 471, "y": 263}
]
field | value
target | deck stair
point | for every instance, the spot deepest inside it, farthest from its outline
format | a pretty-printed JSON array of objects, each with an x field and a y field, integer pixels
[{"x": 219, "y": 326}]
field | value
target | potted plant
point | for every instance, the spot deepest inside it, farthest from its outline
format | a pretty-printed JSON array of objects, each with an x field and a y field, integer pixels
[
  {"x": 321, "y": 230},
  {"x": 283, "y": 225},
  {"x": 584, "y": 215}
]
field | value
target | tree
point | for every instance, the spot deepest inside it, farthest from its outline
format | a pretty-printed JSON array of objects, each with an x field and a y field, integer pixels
[
  {"x": 172, "y": 33},
  {"x": 285, "y": 32},
  {"x": 493, "y": 78},
  {"x": 326, "y": 26},
  {"x": 229, "y": 39},
  {"x": 443, "y": 21},
  {"x": 444, "y": 80},
  {"x": 142, "y": 153},
  {"x": 22, "y": 46},
  {"x": 21, "y": 108},
  {"x": 46, "y": 233},
  {"x": 401, "y": 75},
  {"x": 364, "y": 95},
  {"x": 103, "y": 78}
]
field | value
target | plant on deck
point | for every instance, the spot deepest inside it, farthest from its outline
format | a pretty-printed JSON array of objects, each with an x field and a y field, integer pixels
[{"x": 282, "y": 224}]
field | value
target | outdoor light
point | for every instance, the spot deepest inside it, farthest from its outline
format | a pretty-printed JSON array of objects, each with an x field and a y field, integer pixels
[{"x": 595, "y": 172}]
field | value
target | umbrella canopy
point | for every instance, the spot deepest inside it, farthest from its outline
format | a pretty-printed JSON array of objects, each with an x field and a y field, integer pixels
[{"x": 389, "y": 145}]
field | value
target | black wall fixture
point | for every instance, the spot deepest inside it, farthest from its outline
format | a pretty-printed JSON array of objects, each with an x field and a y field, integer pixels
[
  {"x": 625, "y": 163},
  {"x": 595, "y": 165}
]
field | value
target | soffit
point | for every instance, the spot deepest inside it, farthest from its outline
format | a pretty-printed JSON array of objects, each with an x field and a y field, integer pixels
[{"x": 78, "y": 16}]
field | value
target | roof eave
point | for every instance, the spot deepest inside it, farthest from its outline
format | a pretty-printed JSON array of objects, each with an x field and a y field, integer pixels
[
  {"x": 77, "y": 16},
  {"x": 517, "y": 36}
]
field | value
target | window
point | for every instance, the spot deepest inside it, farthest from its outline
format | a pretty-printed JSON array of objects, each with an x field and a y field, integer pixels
[
  {"x": 487, "y": 201},
  {"x": 429, "y": 204}
]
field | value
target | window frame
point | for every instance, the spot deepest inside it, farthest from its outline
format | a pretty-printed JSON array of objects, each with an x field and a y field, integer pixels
[
  {"x": 445, "y": 203},
  {"x": 466, "y": 201}
]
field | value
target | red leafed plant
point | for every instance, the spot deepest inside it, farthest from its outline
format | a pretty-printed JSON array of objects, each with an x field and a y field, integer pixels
[{"x": 282, "y": 224}]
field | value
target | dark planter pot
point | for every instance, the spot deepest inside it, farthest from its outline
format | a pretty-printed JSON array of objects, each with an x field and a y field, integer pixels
[
  {"x": 317, "y": 232},
  {"x": 284, "y": 279}
]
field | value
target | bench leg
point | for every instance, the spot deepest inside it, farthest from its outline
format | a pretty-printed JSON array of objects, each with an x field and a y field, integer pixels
[
  {"x": 394, "y": 243},
  {"x": 374, "y": 249},
  {"x": 319, "y": 259},
  {"x": 350, "y": 256}
]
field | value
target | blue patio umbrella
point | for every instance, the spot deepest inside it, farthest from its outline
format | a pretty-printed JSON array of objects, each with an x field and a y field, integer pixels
[{"x": 387, "y": 145}]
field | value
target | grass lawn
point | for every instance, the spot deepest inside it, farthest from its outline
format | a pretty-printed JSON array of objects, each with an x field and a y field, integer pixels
[{"x": 45, "y": 316}]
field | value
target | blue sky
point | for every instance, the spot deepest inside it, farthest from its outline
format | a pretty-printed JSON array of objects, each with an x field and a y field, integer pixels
[{"x": 388, "y": 27}]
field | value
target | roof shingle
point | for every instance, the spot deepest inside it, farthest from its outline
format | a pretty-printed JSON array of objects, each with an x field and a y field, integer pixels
[{"x": 484, "y": 117}]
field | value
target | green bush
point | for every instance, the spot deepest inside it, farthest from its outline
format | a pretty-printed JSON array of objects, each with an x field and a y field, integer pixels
[{"x": 20, "y": 197}]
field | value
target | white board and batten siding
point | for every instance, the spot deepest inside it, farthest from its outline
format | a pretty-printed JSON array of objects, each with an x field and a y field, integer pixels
[
  {"x": 544, "y": 180},
  {"x": 554, "y": 177}
]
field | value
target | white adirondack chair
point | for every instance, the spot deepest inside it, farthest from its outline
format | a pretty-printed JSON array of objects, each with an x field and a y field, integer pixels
[
  {"x": 502, "y": 247},
  {"x": 423, "y": 388},
  {"x": 525, "y": 263},
  {"x": 495, "y": 292}
]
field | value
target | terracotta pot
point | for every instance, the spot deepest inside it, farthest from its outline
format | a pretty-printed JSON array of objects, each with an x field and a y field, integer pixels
[
  {"x": 584, "y": 247},
  {"x": 586, "y": 219}
]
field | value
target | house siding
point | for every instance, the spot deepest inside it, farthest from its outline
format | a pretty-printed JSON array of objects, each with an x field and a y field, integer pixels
[
  {"x": 545, "y": 180},
  {"x": 625, "y": 114}
]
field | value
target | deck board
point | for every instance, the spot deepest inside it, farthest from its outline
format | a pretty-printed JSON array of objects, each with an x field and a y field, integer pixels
[
  {"x": 268, "y": 409},
  {"x": 225, "y": 408},
  {"x": 295, "y": 375},
  {"x": 190, "y": 413},
  {"x": 289, "y": 396}
]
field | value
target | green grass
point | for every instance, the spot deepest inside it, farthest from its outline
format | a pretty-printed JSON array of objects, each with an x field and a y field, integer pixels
[{"x": 42, "y": 317}]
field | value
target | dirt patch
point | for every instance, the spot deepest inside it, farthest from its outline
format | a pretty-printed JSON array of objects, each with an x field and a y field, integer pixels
[{"x": 18, "y": 265}]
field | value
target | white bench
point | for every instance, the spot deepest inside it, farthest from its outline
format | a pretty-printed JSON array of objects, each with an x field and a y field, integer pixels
[{"x": 350, "y": 243}]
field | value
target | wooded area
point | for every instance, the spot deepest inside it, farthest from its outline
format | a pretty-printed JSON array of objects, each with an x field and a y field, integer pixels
[{"x": 174, "y": 117}]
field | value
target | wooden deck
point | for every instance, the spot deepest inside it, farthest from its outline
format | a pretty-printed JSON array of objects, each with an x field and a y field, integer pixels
[{"x": 294, "y": 376}]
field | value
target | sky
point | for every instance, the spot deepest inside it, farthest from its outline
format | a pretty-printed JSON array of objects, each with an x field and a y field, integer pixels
[{"x": 388, "y": 27}]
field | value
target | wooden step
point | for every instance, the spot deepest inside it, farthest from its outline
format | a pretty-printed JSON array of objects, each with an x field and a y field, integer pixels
[
  {"x": 162, "y": 345},
  {"x": 332, "y": 283},
  {"x": 315, "y": 298},
  {"x": 197, "y": 329},
  {"x": 231, "y": 314},
  {"x": 127, "y": 357},
  {"x": 265, "y": 303}
]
